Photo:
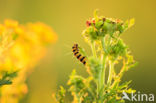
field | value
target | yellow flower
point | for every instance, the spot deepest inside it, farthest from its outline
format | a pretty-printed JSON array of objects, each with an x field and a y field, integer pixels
[
  {"x": 10, "y": 23},
  {"x": 22, "y": 47},
  {"x": 44, "y": 32}
]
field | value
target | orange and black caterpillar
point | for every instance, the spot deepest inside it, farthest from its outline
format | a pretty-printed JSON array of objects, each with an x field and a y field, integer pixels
[{"x": 75, "y": 50}]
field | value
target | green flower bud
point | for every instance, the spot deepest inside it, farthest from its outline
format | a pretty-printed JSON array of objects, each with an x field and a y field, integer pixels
[
  {"x": 118, "y": 49},
  {"x": 98, "y": 24},
  {"x": 92, "y": 33}
]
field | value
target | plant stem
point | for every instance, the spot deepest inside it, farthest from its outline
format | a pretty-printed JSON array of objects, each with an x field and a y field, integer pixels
[
  {"x": 111, "y": 69},
  {"x": 101, "y": 80},
  {"x": 95, "y": 56},
  {"x": 104, "y": 57},
  {"x": 93, "y": 49},
  {"x": 103, "y": 71},
  {"x": 103, "y": 45}
]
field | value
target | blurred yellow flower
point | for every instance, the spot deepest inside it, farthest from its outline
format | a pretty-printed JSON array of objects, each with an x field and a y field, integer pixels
[{"x": 21, "y": 47}]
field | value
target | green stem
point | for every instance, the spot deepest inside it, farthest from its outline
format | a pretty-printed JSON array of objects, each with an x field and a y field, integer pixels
[
  {"x": 93, "y": 49},
  {"x": 111, "y": 69},
  {"x": 103, "y": 71},
  {"x": 95, "y": 56},
  {"x": 79, "y": 101},
  {"x": 104, "y": 57},
  {"x": 103, "y": 45},
  {"x": 101, "y": 80}
]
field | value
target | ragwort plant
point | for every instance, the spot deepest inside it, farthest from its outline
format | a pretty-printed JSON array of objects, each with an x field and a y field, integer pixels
[
  {"x": 108, "y": 49},
  {"x": 22, "y": 46}
]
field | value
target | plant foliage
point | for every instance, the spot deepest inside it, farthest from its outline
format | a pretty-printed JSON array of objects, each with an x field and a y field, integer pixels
[
  {"x": 108, "y": 49},
  {"x": 7, "y": 78}
]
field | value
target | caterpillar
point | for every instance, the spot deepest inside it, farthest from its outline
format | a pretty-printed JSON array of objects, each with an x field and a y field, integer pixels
[{"x": 81, "y": 58}]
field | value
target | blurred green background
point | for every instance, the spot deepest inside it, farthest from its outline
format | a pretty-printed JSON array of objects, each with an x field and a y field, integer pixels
[{"x": 67, "y": 18}]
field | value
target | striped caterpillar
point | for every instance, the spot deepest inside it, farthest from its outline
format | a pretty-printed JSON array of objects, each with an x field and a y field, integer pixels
[{"x": 81, "y": 58}]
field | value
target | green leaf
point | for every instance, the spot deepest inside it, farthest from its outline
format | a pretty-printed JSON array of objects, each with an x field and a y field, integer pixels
[{"x": 7, "y": 78}]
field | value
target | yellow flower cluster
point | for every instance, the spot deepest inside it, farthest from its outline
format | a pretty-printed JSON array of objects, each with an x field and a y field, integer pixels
[{"x": 21, "y": 47}]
